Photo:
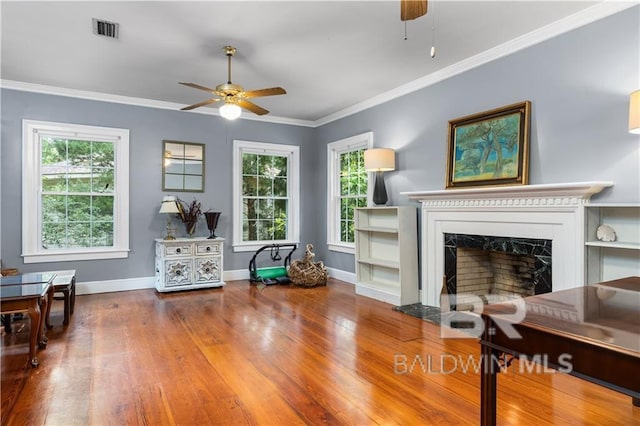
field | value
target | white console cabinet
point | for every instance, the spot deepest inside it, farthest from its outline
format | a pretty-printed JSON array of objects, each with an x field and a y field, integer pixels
[
  {"x": 188, "y": 263},
  {"x": 387, "y": 254}
]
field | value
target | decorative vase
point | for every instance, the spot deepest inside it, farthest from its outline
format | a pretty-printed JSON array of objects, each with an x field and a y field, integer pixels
[
  {"x": 212, "y": 222},
  {"x": 191, "y": 228}
]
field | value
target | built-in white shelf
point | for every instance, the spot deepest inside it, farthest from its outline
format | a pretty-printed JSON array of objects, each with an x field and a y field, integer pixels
[
  {"x": 609, "y": 260},
  {"x": 614, "y": 244},
  {"x": 387, "y": 254},
  {"x": 380, "y": 262}
]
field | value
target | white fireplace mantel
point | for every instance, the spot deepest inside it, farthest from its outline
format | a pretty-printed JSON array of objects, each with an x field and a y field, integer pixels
[
  {"x": 549, "y": 211},
  {"x": 526, "y": 194}
]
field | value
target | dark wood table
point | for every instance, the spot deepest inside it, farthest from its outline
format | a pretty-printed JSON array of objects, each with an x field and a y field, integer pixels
[
  {"x": 65, "y": 283},
  {"x": 31, "y": 293},
  {"x": 591, "y": 332}
]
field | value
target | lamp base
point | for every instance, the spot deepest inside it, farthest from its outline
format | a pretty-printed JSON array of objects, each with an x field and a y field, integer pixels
[
  {"x": 379, "y": 190},
  {"x": 170, "y": 229}
]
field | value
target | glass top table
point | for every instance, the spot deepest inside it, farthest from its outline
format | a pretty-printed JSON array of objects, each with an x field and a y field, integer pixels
[
  {"x": 8, "y": 292},
  {"x": 31, "y": 293},
  {"x": 606, "y": 314},
  {"x": 581, "y": 331},
  {"x": 28, "y": 278}
]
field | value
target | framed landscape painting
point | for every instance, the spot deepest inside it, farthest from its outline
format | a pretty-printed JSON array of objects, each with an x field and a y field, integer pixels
[{"x": 489, "y": 148}]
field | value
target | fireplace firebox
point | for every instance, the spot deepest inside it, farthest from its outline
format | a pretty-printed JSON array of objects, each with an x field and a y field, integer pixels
[{"x": 482, "y": 265}]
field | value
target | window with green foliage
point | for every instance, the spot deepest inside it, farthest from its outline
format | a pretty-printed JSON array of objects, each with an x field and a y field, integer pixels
[
  {"x": 265, "y": 194},
  {"x": 348, "y": 188},
  {"x": 77, "y": 182},
  {"x": 264, "y": 197},
  {"x": 353, "y": 191},
  {"x": 75, "y": 197}
]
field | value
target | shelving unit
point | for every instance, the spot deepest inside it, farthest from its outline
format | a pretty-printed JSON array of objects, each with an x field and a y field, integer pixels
[
  {"x": 387, "y": 254},
  {"x": 608, "y": 260}
]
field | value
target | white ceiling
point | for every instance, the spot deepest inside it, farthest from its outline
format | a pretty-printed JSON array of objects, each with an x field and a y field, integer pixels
[{"x": 330, "y": 56}]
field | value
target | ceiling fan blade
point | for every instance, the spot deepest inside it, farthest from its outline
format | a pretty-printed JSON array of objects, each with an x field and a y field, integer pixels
[
  {"x": 197, "y": 86},
  {"x": 412, "y": 9},
  {"x": 271, "y": 91},
  {"x": 199, "y": 104},
  {"x": 251, "y": 107}
]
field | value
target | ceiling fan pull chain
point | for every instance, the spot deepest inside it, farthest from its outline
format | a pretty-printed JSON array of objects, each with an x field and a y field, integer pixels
[
  {"x": 433, "y": 30},
  {"x": 405, "y": 30}
]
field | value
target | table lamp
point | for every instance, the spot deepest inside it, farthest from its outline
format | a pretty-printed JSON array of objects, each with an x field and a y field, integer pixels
[
  {"x": 169, "y": 207},
  {"x": 379, "y": 160}
]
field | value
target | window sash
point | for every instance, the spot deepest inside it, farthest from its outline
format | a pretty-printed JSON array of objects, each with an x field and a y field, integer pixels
[
  {"x": 266, "y": 229},
  {"x": 34, "y": 221},
  {"x": 340, "y": 223}
]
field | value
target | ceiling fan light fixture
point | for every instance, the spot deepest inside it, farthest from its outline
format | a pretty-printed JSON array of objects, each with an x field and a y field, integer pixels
[{"x": 230, "y": 111}]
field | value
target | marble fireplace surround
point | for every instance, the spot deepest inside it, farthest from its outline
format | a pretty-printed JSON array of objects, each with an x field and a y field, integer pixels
[{"x": 549, "y": 211}]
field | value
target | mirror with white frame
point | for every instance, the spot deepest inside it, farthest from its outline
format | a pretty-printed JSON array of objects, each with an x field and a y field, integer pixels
[{"x": 182, "y": 166}]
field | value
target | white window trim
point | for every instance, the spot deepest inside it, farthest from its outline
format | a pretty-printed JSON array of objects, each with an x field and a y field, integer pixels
[
  {"x": 31, "y": 207},
  {"x": 334, "y": 149},
  {"x": 293, "y": 180}
]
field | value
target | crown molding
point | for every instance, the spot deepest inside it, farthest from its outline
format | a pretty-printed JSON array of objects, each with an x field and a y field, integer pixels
[
  {"x": 127, "y": 100},
  {"x": 571, "y": 22}
]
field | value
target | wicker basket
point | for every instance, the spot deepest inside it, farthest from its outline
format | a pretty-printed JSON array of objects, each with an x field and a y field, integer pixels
[{"x": 307, "y": 273}]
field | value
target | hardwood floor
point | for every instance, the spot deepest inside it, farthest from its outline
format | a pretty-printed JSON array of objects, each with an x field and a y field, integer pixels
[{"x": 284, "y": 355}]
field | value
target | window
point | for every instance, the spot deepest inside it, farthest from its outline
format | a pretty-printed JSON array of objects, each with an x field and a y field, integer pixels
[
  {"x": 75, "y": 193},
  {"x": 266, "y": 193},
  {"x": 347, "y": 188}
]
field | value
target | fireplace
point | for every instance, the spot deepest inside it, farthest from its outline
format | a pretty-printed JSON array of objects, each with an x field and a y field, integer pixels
[
  {"x": 483, "y": 265},
  {"x": 550, "y": 212}
]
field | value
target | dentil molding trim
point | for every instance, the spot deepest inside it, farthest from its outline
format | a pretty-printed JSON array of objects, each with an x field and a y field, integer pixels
[{"x": 544, "y": 195}]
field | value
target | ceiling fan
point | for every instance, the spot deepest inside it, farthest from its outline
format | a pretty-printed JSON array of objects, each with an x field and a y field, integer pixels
[
  {"x": 234, "y": 96},
  {"x": 412, "y": 9}
]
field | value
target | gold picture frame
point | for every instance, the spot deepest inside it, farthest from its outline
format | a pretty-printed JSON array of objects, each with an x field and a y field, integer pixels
[{"x": 489, "y": 148}]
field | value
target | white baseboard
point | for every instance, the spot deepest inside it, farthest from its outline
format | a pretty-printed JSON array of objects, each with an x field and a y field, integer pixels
[
  {"x": 127, "y": 284},
  {"x": 238, "y": 274},
  {"x": 339, "y": 274}
]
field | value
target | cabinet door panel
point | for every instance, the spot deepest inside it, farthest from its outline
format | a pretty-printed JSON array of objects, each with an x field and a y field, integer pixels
[
  {"x": 177, "y": 272},
  {"x": 207, "y": 269}
]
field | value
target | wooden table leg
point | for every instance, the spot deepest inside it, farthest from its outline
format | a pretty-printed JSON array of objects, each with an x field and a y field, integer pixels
[
  {"x": 35, "y": 317},
  {"x": 45, "y": 309},
  {"x": 73, "y": 295},
  {"x": 488, "y": 380},
  {"x": 6, "y": 322},
  {"x": 47, "y": 319}
]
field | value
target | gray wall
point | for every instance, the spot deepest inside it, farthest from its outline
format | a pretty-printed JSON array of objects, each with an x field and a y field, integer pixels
[
  {"x": 579, "y": 85},
  {"x": 148, "y": 127}
]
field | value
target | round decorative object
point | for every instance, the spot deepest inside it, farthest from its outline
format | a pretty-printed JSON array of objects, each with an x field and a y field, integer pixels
[
  {"x": 307, "y": 273},
  {"x": 605, "y": 233},
  {"x": 604, "y": 293}
]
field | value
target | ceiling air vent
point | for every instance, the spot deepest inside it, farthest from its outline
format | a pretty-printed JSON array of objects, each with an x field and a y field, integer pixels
[{"x": 105, "y": 28}]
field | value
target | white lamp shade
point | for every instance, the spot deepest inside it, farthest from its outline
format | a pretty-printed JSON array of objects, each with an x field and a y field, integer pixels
[
  {"x": 379, "y": 160},
  {"x": 169, "y": 204},
  {"x": 634, "y": 112},
  {"x": 230, "y": 111}
]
